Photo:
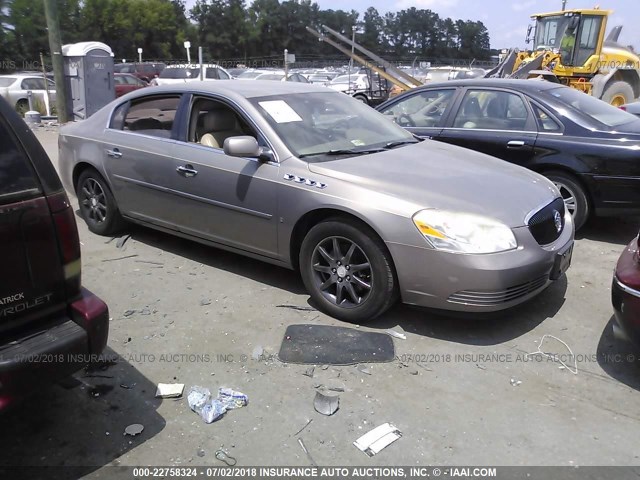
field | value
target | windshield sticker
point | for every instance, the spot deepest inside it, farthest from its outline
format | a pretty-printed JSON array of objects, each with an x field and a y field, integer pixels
[
  {"x": 280, "y": 111},
  {"x": 358, "y": 143}
]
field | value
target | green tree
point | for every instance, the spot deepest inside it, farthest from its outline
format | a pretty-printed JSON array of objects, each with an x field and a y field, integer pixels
[{"x": 29, "y": 24}]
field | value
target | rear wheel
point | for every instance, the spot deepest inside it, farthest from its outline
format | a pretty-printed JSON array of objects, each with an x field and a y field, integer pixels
[
  {"x": 22, "y": 107},
  {"x": 618, "y": 93},
  {"x": 97, "y": 205},
  {"x": 347, "y": 271},
  {"x": 362, "y": 98},
  {"x": 573, "y": 194}
]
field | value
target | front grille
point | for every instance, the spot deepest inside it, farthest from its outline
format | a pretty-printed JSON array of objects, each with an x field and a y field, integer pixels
[
  {"x": 542, "y": 224},
  {"x": 490, "y": 298}
]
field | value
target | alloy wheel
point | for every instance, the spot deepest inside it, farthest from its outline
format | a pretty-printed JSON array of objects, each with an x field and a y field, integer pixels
[
  {"x": 342, "y": 272},
  {"x": 568, "y": 196},
  {"x": 93, "y": 200}
]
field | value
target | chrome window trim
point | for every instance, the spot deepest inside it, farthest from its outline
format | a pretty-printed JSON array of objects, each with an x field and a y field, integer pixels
[{"x": 626, "y": 289}]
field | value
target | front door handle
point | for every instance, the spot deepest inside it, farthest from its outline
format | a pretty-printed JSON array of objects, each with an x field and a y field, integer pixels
[
  {"x": 515, "y": 144},
  {"x": 187, "y": 171},
  {"x": 115, "y": 153}
]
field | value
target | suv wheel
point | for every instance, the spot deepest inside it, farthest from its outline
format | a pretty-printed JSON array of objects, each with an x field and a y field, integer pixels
[
  {"x": 97, "y": 205},
  {"x": 347, "y": 271}
]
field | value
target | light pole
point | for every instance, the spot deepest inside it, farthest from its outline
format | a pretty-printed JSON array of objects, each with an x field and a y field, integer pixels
[
  {"x": 353, "y": 40},
  {"x": 187, "y": 46},
  {"x": 140, "y": 55}
]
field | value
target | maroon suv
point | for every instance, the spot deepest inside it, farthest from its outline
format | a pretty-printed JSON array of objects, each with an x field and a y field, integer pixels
[
  {"x": 50, "y": 326},
  {"x": 625, "y": 293}
]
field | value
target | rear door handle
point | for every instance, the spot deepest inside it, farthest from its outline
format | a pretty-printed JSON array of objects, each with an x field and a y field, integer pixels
[
  {"x": 115, "y": 153},
  {"x": 187, "y": 171},
  {"x": 516, "y": 144}
]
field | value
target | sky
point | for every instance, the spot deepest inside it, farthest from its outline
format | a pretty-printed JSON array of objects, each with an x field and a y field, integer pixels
[{"x": 506, "y": 20}]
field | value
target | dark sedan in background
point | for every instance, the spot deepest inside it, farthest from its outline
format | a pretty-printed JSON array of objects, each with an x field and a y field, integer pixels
[{"x": 589, "y": 149}]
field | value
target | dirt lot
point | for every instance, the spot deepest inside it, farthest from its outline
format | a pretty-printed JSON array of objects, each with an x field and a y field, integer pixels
[{"x": 462, "y": 392}]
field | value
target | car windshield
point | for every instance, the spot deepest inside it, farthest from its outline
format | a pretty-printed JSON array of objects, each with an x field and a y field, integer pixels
[
  {"x": 322, "y": 124},
  {"x": 549, "y": 32},
  {"x": 345, "y": 79},
  {"x": 6, "y": 81},
  {"x": 270, "y": 76},
  {"x": 180, "y": 73},
  {"x": 249, "y": 75},
  {"x": 590, "y": 106}
]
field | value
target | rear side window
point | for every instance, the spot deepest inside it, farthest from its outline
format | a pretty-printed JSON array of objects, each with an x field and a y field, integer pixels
[
  {"x": 17, "y": 177},
  {"x": 149, "y": 116}
]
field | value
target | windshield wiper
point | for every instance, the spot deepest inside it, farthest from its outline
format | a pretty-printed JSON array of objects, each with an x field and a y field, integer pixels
[
  {"x": 401, "y": 142},
  {"x": 345, "y": 151}
]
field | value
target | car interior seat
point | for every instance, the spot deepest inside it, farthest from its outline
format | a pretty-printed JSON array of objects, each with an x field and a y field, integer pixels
[{"x": 217, "y": 126}]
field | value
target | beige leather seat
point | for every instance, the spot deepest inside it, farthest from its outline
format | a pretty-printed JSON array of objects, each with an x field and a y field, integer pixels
[{"x": 218, "y": 125}]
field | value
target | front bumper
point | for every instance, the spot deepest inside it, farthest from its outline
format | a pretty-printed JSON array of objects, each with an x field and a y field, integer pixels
[
  {"x": 54, "y": 350},
  {"x": 625, "y": 295},
  {"x": 479, "y": 283}
]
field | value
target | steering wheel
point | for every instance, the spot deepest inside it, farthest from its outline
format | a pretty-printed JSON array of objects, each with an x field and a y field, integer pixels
[{"x": 404, "y": 120}]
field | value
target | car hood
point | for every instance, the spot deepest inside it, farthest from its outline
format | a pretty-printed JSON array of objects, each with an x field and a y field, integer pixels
[{"x": 431, "y": 174}]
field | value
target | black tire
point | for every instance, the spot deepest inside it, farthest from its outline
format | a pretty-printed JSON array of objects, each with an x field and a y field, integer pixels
[
  {"x": 570, "y": 187},
  {"x": 22, "y": 107},
  {"x": 369, "y": 250},
  {"x": 618, "y": 93},
  {"x": 102, "y": 216},
  {"x": 362, "y": 98}
]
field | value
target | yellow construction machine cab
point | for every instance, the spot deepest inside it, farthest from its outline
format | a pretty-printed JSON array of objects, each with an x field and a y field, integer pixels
[{"x": 570, "y": 47}]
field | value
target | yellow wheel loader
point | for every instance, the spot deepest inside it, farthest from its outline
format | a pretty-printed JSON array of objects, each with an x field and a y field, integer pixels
[{"x": 569, "y": 47}]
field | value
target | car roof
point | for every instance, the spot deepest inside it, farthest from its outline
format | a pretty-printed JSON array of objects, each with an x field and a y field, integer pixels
[
  {"x": 529, "y": 85},
  {"x": 256, "y": 88}
]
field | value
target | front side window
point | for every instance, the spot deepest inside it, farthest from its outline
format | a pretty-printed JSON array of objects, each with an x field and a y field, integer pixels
[
  {"x": 321, "y": 125},
  {"x": 149, "y": 116},
  {"x": 492, "y": 110},
  {"x": 423, "y": 109},
  {"x": 212, "y": 122},
  {"x": 589, "y": 33}
]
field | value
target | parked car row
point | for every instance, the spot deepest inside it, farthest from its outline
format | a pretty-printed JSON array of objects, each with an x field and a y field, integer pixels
[
  {"x": 15, "y": 89},
  {"x": 587, "y": 148},
  {"x": 413, "y": 203}
]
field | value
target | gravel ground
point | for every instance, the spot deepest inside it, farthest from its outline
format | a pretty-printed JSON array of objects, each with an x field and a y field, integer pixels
[{"x": 462, "y": 391}]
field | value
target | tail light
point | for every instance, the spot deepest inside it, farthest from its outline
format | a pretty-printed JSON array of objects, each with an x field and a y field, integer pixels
[
  {"x": 623, "y": 107},
  {"x": 68, "y": 240}
]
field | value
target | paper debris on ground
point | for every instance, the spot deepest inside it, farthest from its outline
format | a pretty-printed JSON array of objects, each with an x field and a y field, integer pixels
[
  {"x": 169, "y": 390},
  {"x": 326, "y": 404},
  {"x": 395, "y": 334},
  {"x": 377, "y": 439}
]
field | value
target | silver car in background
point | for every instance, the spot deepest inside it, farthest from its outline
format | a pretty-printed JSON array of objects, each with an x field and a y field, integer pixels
[
  {"x": 307, "y": 178},
  {"x": 15, "y": 89}
]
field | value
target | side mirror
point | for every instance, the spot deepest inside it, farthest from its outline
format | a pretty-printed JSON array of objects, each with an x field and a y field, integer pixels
[
  {"x": 247, "y": 147},
  {"x": 528, "y": 39}
]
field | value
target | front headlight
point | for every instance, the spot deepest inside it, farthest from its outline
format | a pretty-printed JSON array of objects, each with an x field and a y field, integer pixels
[{"x": 464, "y": 232}]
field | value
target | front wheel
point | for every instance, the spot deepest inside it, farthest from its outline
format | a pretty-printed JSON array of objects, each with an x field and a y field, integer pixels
[
  {"x": 618, "y": 94},
  {"x": 97, "y": 205},
  {"x": 347, "y": 271},
  {"x": 573, "y": 194}
]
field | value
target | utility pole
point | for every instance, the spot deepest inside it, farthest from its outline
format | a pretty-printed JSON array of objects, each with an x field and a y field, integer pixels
[{"x": 55, "y": 45}]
